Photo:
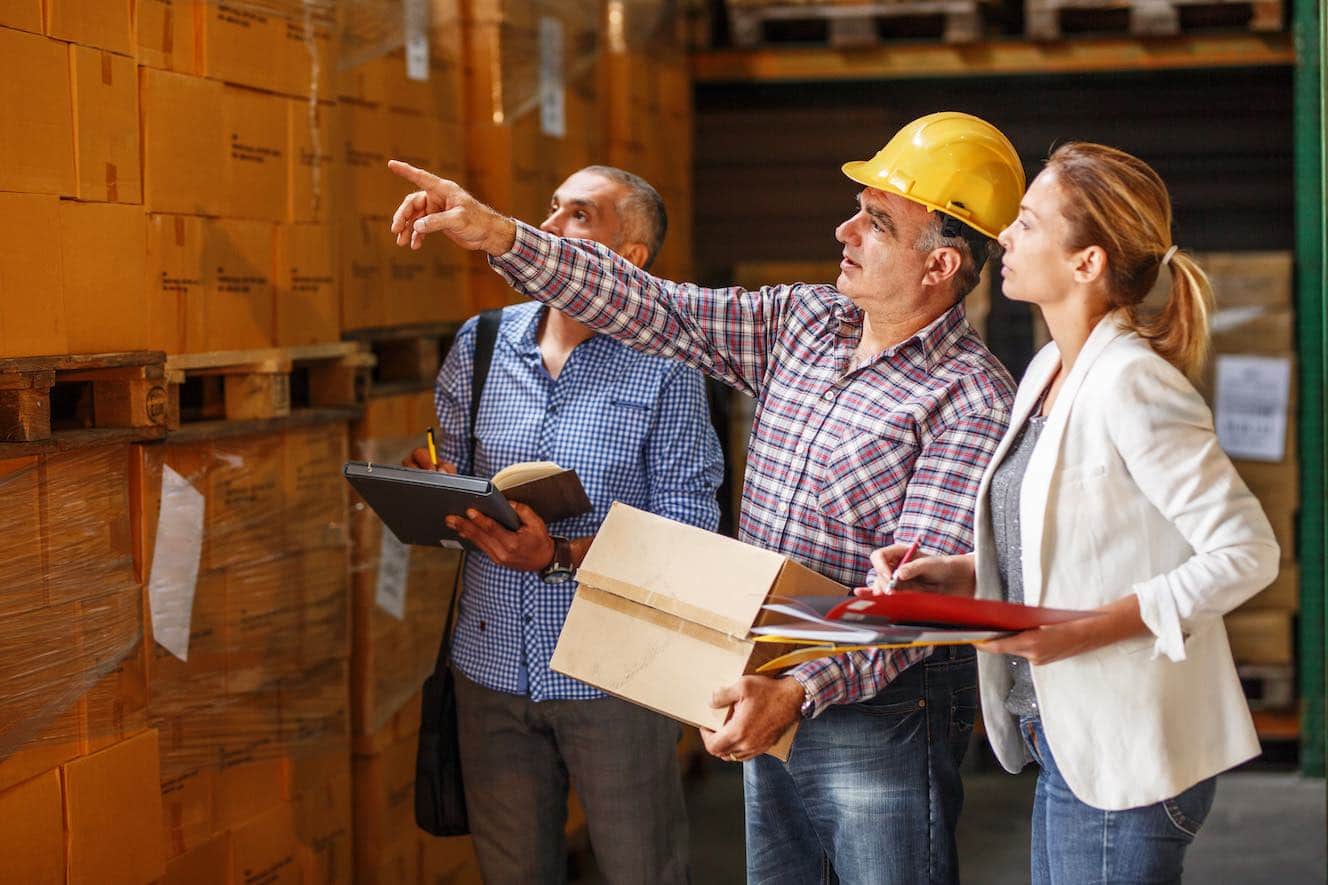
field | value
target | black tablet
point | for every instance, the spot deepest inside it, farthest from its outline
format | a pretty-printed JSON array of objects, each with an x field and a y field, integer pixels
[{"x": 413, "y": 503}]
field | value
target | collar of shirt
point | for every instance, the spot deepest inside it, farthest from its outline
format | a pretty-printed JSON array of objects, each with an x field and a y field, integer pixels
[{"x": 925, "y": 347}]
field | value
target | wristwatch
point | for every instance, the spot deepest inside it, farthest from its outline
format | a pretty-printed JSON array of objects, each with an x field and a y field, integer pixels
[{"x": 560, "y": 569}]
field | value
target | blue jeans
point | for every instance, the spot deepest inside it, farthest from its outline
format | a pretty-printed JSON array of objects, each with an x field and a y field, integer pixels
[
  {"x": 871, "y": 791},
  {"x": 1077, "y": 844}
]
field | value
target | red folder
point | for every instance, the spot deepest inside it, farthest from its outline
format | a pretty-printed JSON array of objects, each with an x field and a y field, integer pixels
[{"x": 909, "y": 607}]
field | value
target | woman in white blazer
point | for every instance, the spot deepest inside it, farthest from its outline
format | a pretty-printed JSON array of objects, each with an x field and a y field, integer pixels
[{"x": 1109, "y": 493}]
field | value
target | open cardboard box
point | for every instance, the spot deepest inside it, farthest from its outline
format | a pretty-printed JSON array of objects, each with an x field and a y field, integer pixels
[{"x": 663, "y": 612}]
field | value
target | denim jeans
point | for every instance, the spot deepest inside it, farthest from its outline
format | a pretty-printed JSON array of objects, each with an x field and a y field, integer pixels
[
  {"x": 871, "y": 791},
  {"x": 1077, "y": 844}
]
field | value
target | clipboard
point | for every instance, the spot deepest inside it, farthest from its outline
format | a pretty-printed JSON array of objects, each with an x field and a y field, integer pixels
[{"x": 413, "y": 503}]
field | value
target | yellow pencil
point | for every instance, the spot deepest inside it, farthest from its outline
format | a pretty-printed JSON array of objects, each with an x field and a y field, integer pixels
[{"x": 433, "y": 450}]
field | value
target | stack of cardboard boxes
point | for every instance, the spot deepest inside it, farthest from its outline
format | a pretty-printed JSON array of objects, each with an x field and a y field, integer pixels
[
  {"x": 400, "y": 599},
  {"x": 1254, "y": 317},
  {"x": 533, "y": 109},
  {"x": 647, "y": 93}
]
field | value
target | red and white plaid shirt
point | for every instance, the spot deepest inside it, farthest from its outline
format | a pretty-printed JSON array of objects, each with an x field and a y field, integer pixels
[{"x": 840, "y": 461}]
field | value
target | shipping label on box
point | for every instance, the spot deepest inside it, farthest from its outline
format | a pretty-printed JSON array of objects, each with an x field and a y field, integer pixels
[
  {"x": 1253, "y": 397},
  {"x": 183, "y": 133},
  {"x": 106, "y": 144},
  {"x": 663, "y": 611},
  {"x": 166, "y": 35},
  {"x": 36, "y": 128}
]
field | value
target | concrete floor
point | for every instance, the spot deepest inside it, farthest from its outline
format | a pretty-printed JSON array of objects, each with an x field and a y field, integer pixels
[{"x": 1267, "y": 826}]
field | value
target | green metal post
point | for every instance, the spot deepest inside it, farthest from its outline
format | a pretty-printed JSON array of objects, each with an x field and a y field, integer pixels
[{"x": 1312, "y": 326}]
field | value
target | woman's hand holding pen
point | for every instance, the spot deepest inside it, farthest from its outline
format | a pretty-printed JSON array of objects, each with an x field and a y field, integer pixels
[{"x": 949, "y": 575}]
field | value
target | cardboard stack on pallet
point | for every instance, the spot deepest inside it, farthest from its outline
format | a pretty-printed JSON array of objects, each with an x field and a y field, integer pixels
[
  {"x": 1252, "y": 385},
  {"x": 533, "y": 109},
  {"x": 399, "y": 602},
  {"x": 647, "y": 90},
  {"x": 245, "y": 542}
]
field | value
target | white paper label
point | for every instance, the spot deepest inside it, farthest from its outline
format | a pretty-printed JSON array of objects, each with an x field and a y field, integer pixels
[
  {"x": 1253, "y": 393},
  {"x": 415, "y": 15},
  {"x": 393, "y": 575},
  {"x": 552, "y": 94},
  {"x": 178, "y": 550}
]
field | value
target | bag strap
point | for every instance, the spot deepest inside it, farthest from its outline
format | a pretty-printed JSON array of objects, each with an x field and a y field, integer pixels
[{"x": 486, "y": 338}]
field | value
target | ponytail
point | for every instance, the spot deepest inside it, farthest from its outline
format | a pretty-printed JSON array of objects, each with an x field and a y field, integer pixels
[
  {"x": 1118, "y": 202},
  {"x": 1179, "y": 331}
]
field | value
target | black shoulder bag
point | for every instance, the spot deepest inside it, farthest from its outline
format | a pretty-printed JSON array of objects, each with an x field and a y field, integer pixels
[{"x": 440, "y": 797}]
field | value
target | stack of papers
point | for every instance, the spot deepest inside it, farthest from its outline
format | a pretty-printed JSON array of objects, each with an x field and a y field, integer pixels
[{"x": 896, "y": 620}]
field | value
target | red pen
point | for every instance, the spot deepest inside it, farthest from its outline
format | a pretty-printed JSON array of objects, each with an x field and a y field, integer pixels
[{"x": 908, "y": 554}]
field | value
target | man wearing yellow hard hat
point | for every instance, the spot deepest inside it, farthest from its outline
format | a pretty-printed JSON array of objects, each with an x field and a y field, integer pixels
[{"x": 878, "y": 409}]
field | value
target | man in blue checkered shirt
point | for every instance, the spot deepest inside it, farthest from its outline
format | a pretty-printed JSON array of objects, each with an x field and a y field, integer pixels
[{"x": 636, "y": 429}]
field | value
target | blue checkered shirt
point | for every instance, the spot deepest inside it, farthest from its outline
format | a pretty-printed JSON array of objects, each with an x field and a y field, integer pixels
[{"x": 636, "y": 429}]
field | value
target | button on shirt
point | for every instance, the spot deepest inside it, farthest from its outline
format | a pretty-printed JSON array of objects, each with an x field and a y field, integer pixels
[
  {"x": 841, "y": 461},
  {"x": 636, "y": 429}
]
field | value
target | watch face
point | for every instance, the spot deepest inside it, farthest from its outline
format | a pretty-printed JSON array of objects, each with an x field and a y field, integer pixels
[{"x": 557, "y": 575}]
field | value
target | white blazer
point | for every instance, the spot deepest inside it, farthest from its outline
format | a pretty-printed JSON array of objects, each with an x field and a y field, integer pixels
[{"x": 1127, "y": 491}]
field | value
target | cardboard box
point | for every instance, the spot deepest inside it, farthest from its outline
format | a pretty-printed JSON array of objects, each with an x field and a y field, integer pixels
[
  {"x": 240, "y": 43},
  {"x": 89, "y": 536},
  {"x": 245, "y": 503},
  {"x": 266, "y": 851},
  {"x": 208, "y": 864},
  {"x": 116, "y": 706},
  {"x": 21, "y": 537},
  {"x": 308, "y": 301},
  {"x": 105, "y": 24},
  {"x": 323, "y": 825},
  {"x": 57, "y": 742},
  {"x": 256, "y": 174},
  {"x": 241, "y": 300},
  {"x": 184, "y": 133},
  {"x": 113, "y": 814},
  {"x": 363, "y": 242},
  {"x": 364, "y": 148},
  {"x": 325, "y": 610},
  {"x": 32, "y": 845},
  {"x": 106, "y": 144},
  {"x": 663, "y": 611},
  {"x": 36, "y": 129},
  {"x": 313, "y": 129},
  {"x": 315, "y": 491},
  {"x": 262, "y": 629},
  {"x": 449, "y": 861},
  {"x": 26, "y": 15},
  {"x": 103, "y": 250},
  {"x": 384, "y": 795},
  {"x": 306, "y": 32},
  {"x": 1261, "y": 637},
  {"x": 32, "y": 313},
  {"x": 166, "y": 35}
]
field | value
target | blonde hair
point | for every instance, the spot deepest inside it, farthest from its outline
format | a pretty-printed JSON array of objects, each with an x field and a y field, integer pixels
[{"x": 1118, "y": 202}]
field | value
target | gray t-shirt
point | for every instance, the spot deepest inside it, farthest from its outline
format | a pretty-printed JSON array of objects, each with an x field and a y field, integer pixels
[{"x": 1003, "y": 499}]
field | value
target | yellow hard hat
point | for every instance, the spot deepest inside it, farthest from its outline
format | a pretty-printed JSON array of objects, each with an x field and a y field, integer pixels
[{"x": 951, "y": 162}]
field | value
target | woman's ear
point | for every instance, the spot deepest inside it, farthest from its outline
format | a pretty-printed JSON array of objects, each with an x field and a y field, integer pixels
[{"x": 1090, "y": 265}]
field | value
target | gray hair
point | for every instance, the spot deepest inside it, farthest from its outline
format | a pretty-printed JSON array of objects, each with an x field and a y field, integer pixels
[
  {"x": 973, "y": 249},
  {"x": 641, "y": 210}
]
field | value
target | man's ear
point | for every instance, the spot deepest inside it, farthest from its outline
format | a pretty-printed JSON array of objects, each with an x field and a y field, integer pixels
[
  {"x": 1090, "y": 265},
  {"x": 637, "y": 253},
  {"x": 942, "y": 266}
]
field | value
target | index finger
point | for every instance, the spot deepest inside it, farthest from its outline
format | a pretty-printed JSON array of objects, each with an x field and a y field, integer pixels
[{"x": 418, "y": 177}]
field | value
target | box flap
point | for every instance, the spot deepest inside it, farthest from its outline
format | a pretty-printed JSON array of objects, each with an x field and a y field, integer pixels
[{"x": 699, "y": 576}]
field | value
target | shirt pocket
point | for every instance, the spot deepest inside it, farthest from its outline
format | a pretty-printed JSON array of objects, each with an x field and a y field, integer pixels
[
  {"x": 628, "y": 418},
  {"x": 864, "y": 479}
]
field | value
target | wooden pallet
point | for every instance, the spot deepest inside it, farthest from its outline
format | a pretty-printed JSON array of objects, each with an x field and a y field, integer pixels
[
  {"x": 407, "y": 358},
  {"x": 58, "y": 402},
  {"x": 1050, "y": 19},
  {"x": 859, "y": 25},
  {"x": 254, "y": 388}
]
